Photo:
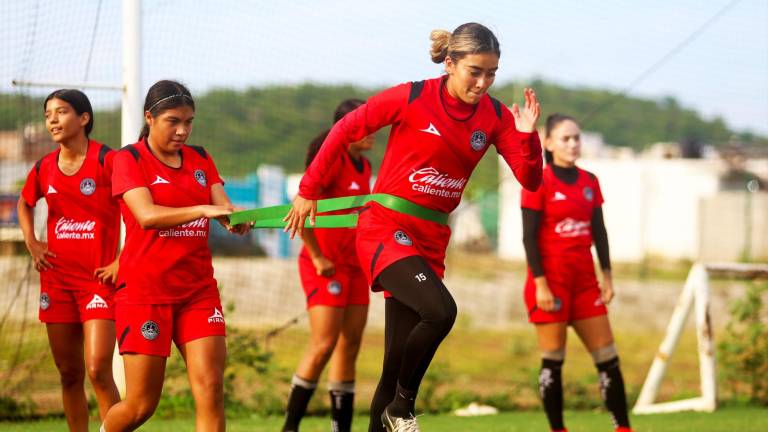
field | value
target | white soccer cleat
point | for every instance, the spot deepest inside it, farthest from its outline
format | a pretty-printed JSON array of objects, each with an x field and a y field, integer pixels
[{"x": 399, "y": 424}]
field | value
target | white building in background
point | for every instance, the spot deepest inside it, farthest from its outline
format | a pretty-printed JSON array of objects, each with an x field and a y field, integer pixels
[{"x": 659, "y": 207}]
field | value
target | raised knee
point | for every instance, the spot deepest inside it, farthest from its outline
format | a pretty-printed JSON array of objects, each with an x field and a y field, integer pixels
[
  {"x": 142, "y": 409},
  {"x": 442, "y": 318},
  {"x": 99, "y": 374}
]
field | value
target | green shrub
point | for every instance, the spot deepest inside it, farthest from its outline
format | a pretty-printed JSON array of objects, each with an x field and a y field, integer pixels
[{"x": 744, "y": 347}]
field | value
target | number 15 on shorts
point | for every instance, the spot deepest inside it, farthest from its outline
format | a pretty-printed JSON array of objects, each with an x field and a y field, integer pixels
[{"x": 420, "y": 277}]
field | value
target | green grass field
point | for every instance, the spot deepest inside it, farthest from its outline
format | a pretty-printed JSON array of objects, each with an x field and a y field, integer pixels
[{"x": 729, "y": 419}]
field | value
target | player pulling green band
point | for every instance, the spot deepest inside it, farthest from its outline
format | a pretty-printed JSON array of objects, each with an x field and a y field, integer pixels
[{"x": 272, "y": 217}]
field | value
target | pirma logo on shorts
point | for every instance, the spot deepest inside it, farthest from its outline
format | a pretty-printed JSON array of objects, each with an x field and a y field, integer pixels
[{"x": 45, "y": 301}]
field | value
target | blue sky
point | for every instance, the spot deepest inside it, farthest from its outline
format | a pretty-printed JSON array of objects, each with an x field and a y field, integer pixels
[{"x": 722, "y": 72}]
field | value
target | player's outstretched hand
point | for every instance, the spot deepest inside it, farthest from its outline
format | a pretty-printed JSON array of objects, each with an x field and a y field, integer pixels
[
  {"x": 298, "y": 214},
  {"x": 215, "y": 211},
  {"x": 525, "y": 119},
  {"x": 239, "y": 229}
]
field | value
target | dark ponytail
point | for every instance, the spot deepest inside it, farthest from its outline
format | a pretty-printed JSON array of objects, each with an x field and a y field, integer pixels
[
  {"x": 79, "y": 102},
  {"x": 552, "y": 121},
  {"x": 343, "y": 109},
  {"x": 162, "y": 96}
]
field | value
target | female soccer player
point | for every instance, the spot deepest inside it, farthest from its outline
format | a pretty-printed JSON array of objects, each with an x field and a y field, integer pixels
[
  {"x": 168, "y": 191},
  {"x": 336, "y": 291},
  {"x": 77, "y": 264},
  {"x": 441, "y": 128},
  {"x": 561, "y": 220}
]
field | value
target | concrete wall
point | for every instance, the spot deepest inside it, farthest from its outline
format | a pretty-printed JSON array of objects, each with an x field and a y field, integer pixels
[{"x": 656, "y": 207}]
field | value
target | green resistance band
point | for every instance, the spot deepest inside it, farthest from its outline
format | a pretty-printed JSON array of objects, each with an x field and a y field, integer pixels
[{"x": 272, "y": 217}]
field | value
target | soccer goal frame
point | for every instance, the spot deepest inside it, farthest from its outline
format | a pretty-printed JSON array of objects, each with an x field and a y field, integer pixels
[{"x": 696, "y": 293}]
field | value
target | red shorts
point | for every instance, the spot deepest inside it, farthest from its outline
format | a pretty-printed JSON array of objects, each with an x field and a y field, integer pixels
[
  {"x": 347, "y": 286},
  {"x": 385, "y": 236},
  {"x": 150, "y": 328},
  {"x": 59, "y": 305},
  {"x": 574, "y": 284}
]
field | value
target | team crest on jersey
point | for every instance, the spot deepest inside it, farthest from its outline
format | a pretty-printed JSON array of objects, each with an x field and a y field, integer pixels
[
  {"x": 588, "y": 194},
  {"x": 87, "y": 186},
  {"x": 45, "y": 301},
  {"x": 402, "y": 238},
  {"x": 334, "y": 287},
  {"x": 478, "y": 140},
  {"x": 150, "y": 330},
  {"x": 200, "y": 177}
]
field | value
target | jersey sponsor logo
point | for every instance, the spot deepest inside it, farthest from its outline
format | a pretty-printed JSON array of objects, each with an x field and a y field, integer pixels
[
  {"x": 70, "y": 229},
  {"x": 478, "y": 140},
  {"x": 402, "y": 238},
  {"x": 159, "y": 180},
  {"x": 150, "y": 330},
  {"x": 354, "y": 186},
  {"x": 570, "y": 227},
  {"x": 200, "y": 177},
  {"x": 195, "y": 228},
  {"x": 45, "y": 301},
  {"x": 51, "y": 190},
  {"x": 431, "y": 129},
  {"x": 559, "y": 196},
  {"x": 334, "y": 287},
  {"x": 87, "y": 186},
  {"x": 588, "y": 193},
  {"x": 97, "y": 303},
  {"x": 216, "y": 318},
  {"x": 432, "y": 182}
]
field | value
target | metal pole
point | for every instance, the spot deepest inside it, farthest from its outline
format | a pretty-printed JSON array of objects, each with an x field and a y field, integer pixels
[
  {"x": 131, "y": 106},
  {"x": 131, "y": 118}
]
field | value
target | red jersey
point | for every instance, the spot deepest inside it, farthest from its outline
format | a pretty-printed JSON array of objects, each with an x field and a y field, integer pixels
[
  {"x": 347, "y": 177},
  {"x": 431, "y": 152},
  {"x": 166, "y": 265},
  {"x": 83, "y": 219},
  {"x": 566, "y": 212}
]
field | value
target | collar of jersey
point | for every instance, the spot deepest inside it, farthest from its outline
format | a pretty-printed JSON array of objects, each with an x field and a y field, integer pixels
[
  {"x": 145, "y": 141},
  {"x": 445, "y": 107}
]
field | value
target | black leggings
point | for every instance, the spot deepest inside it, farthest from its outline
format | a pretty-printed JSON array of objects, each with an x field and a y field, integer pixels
[{"x": 418, "y": 317}]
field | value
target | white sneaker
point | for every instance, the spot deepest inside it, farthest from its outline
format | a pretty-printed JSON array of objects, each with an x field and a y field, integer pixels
[{"x": 399, "y": 424}]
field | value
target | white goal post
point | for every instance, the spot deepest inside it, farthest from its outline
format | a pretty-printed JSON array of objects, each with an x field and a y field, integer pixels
[{"x": 695, "y": 292}]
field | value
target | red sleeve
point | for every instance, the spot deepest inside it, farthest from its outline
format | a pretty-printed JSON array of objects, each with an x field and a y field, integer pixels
[
  {"x": 333, "y": 174},
  {"x": 598, "y": 200},
  {"x": 521, "y": 151},
  {"x": 213, "y": 173},
  {"x": 31, "y": 191},
  {"x": 382, "y": 109},
  {"x": 126, "y": 173},
  {"x": 533, "y": 200}
]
